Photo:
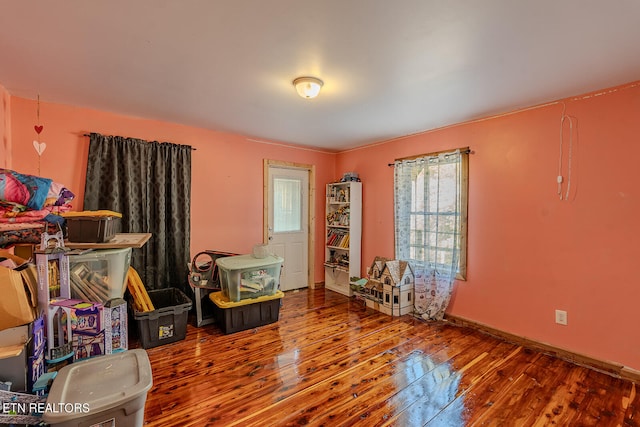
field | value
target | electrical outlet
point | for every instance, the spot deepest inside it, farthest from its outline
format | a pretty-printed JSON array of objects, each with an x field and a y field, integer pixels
[{"x": 561, "y": 317}]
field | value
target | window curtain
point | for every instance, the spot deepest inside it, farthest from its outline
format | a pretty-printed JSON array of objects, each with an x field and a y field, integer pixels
[
  {"x": 427, "y": 227},
  {"x": 150, "y": 184}
]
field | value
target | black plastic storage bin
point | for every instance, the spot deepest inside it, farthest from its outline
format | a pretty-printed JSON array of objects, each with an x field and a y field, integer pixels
[
  {"x": 246, "y": 314},
  {"x": 168, "y": 322},
  {"x": 98, "y": 229}
]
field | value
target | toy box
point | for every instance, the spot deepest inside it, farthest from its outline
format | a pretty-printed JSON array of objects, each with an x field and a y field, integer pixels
[
  {"x": 36, "y": 354},
  {"x": 115, "y": 326},
  {"x": 86, "y": 346},
  {"x": 53, "y": 277},
  {"x": 37, "y": 336},
  {"x": 59, "y": 345},
  {"x": 36, "y": 370},
  {"x": 86, "y": 317},
  {"x": 246, "y": 277}
]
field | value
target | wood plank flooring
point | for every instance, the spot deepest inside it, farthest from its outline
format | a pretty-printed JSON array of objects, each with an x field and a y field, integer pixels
[{"x": 329, "y": 361}]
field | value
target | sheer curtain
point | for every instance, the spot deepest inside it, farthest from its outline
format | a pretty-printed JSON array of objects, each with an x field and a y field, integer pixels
[
  {"x": 427, "y": 227},
  {"x": 150, "y": 184}
]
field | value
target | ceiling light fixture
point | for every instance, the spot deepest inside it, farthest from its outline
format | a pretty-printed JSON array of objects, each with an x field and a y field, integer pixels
[{"x": 308, "y": 87}]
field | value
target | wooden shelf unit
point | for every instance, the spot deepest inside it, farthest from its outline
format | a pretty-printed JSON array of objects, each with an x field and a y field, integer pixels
[{"x": 343, "y": 233}]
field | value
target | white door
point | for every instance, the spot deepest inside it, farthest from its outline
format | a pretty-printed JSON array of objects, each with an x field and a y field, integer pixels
[{"x": 288, "y": 222}]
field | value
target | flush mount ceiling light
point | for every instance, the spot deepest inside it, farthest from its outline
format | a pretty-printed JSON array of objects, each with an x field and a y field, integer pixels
[{"x": 308, "y": 87}]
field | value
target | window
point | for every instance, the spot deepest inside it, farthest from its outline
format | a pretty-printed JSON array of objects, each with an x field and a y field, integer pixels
[
  {"x": 431, "y": 210},
  {"x": 286, "y": 204}
]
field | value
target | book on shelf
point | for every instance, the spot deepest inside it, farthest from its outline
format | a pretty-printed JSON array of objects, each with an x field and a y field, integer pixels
[{"x": 338, "y": 238}]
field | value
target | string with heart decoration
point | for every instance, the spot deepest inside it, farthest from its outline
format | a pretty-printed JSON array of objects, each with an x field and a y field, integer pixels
[{"x": 37, "y": 144}]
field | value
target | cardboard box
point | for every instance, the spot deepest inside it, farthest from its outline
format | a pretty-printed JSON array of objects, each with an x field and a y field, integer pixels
[
  {"x": 115, "y": 326},
  {"x": 13, "y": 356},
  {"x": 38, "y": 337},
  {"x": 53, "y": 277},
  {"x": 86, "y": 317},
  {"x": 58, "y": 328},
  {"x": 36, "y": 370},
  {"x": 18, "y": 305},
  {"x": 8, "y": 255},
  {"x": 86, "y": 346}
]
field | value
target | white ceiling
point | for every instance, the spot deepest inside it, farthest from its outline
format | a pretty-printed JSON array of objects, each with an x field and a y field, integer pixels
[{"x": 390, "y": 68}]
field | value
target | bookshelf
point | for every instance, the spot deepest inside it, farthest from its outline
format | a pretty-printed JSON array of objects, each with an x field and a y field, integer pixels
[{"x": 343, "y": 226}]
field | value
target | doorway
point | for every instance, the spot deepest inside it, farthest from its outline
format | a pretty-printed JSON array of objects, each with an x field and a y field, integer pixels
[{"x": 288, "y": 220}]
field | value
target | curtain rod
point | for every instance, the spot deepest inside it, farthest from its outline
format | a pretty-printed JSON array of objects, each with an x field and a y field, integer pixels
[
  {"x": 192, "y": 148},
  {"x": 466, "y": 151}
]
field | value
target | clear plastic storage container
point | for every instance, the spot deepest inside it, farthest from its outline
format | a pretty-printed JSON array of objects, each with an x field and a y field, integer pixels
[
  {"x": 244, "y": 276},
  {"x": 99, "y": 275},
  {"x": 106, "y": 390}
]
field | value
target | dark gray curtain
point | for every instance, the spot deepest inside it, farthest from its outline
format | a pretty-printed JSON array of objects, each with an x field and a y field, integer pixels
[{"x": 150, "y": 184}]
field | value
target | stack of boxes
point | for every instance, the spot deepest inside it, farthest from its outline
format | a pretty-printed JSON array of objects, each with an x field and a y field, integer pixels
[
  {"x": 68, "y": 307},
  {"x": 73, "y": 290},
  {"x": 53, "y": 286},
  {"x": 100, "y": 276}
]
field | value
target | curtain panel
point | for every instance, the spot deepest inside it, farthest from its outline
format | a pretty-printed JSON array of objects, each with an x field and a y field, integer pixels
[
  {"x": 427, "y": 211},
  {"x": 150, "y": 184}
]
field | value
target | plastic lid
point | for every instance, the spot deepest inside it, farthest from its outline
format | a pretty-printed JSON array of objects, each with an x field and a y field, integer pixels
[
  {"x": 101, "y": 253},
  {"x": 218, "y": 299},
  {"x": 85, "y": 214},
  {"x": 102, "y": 383},
  {"x": 247, "y": 261}
]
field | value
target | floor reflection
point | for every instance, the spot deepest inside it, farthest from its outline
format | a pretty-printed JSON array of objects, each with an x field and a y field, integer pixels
[{"x": 433, "y": 391}]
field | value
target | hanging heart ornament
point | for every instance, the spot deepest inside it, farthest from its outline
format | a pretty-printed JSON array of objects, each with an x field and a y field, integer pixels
[
  {"x": 40, "y": 147},
  {"x": 38, "y": 128}
]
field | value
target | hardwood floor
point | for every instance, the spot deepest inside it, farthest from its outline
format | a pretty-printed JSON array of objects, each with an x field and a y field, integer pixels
[{"x": 329, "y": 361}]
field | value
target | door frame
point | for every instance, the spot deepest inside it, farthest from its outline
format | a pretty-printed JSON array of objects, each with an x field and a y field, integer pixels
[{"x": 311, "y": 223}]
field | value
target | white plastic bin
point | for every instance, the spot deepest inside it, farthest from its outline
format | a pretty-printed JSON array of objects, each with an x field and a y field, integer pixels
[
  {"x": 99, "y": 275},
  {"x": 106, "y": 390},
  {"x": 243, "y": 276}
]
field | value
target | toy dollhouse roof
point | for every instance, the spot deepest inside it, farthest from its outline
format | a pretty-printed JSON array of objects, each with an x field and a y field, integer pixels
[
  {"x": 397, "y": 269},
  {"x": 379, "y": 262}
]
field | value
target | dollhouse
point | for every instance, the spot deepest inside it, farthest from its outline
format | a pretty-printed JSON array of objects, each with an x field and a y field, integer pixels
[{"x": 390, "y": 286}]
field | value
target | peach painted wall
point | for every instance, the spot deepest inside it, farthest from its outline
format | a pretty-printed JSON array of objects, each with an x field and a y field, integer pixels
[
  {"x": 5, "y": 128},
  {"x": 227, "y": 169},
  {"x": 528, "y": 252}
]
